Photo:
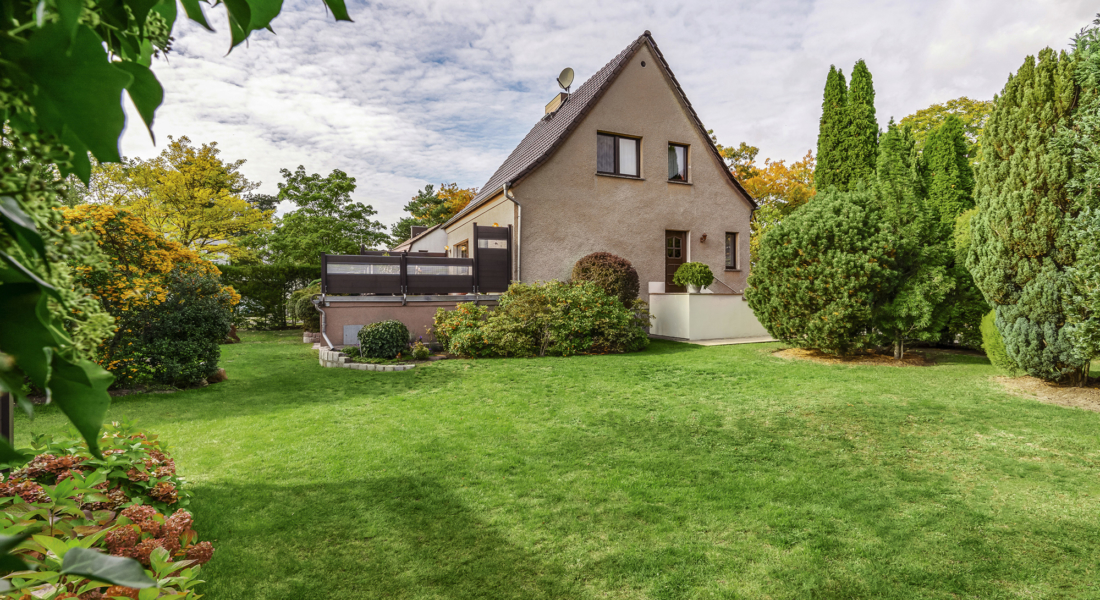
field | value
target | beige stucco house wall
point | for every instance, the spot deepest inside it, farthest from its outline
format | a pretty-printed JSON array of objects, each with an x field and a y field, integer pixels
[{"x": 566, "y": 210}]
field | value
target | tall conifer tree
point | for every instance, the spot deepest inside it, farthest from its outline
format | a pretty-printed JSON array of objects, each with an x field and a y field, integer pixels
[
  {"x": 948, "y": 176},
  {"x": 1022, "y": 240},
  {"x": 912, "y": 307},
  {"x": 829, "y": 171},
  {"x": 861, "y": 135},
  {"x": 949, "y": 180}
]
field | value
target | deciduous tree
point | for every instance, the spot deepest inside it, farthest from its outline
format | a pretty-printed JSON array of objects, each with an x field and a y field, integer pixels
[
  {"x": 431, "y": 207},
  {"x": 187, "y": 194},
  {"x": 326, "y": 219},
  {"x": 973, "y": 115}
]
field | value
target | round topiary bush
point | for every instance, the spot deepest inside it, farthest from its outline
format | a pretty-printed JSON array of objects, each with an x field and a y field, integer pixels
[
  {"x": 384, "y": 339},
  {"x": 693, "y": 273},
  {"x": 613, "y": 273}
]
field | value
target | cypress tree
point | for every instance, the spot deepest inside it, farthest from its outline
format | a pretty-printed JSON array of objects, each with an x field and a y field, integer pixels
[
  {"x": 861, "y": 134},
  {"x": 912, "y": 307},
  {"x": 828, "y": 171},
  {"x": 1022, "y": 242},
  {"x": 948, "y": 176}
]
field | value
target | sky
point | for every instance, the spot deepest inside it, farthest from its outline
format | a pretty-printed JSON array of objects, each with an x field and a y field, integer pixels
[{"x": 419, "y": 91}]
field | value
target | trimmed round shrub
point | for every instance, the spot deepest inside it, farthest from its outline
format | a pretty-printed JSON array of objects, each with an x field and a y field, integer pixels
[
  {"x": 994, "y": 345},
  {"x": 820, "y": 273},
  {"x": 693, "y": 273},
  {"x": 384, "y": 339},
  {"x": 613, "y": 273}
]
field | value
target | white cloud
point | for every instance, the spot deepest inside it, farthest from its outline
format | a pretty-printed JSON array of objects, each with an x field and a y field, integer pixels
[{"x": 419, "y": 91}]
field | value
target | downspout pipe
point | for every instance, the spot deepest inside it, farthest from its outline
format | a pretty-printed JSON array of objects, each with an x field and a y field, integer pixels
[
  {"x": 318, "y": 303},
  {"x": 519, "y": 230}
]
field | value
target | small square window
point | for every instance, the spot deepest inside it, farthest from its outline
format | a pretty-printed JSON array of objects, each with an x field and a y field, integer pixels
[
  {"x": 618, "y": 155},
  {"x": 677, "y": 162},
  {"x": 731, "y": 251}
]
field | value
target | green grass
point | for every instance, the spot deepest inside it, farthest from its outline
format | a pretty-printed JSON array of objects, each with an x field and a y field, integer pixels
[{"x": 681, "y": 472}]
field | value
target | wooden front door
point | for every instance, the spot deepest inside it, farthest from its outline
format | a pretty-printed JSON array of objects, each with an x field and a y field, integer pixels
[{"x": 675, "y": 255}]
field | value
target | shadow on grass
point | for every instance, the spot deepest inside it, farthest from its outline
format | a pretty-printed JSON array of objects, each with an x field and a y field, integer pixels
[{"x": 388, "y": 537}]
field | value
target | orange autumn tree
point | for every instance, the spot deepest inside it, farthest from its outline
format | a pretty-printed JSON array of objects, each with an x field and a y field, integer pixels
[
  {"x": 141, "y": 271},
  {"x": 779, "y": 189}
]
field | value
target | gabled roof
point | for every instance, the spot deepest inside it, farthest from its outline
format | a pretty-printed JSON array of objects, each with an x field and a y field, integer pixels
[
  {"x": 417, "y": 237},
  {"x": 552, "y": 130}
]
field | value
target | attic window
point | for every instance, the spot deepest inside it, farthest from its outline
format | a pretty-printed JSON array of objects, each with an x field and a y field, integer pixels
[
  {"x": 677, "y": 162},
  {"x": 617, "y": 155}
]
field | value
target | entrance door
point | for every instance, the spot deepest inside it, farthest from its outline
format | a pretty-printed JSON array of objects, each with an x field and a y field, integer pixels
[{"x": 674, "y": 257}]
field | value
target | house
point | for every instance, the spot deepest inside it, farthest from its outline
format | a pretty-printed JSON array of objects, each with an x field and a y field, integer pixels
[
  {"x": 424, "y": 239},
  {"x": 623, "y": 165}
]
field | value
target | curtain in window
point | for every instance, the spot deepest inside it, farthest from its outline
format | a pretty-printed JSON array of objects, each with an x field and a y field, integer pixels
[
  {"x": 605, "y": 154},
  {"x": 628, "y": 157},
  {"x": 677, "y": 163}
]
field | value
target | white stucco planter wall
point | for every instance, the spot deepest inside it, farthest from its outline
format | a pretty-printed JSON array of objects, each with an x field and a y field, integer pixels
[{"x": 703, "y": 316}]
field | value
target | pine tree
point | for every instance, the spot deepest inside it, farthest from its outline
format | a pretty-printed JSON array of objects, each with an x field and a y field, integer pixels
[
  {"x": 821, "y": 270},
  {"x": 861, "y": 134},
  {"x": 830, "y": 138},
  {"x": 912, "y": 307},
  {"x": 948, "y": 176},
  {"x": 1022, "y": 242}
]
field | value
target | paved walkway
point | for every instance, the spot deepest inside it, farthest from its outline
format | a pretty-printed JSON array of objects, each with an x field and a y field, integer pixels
[{"x": 719, "y": 342}]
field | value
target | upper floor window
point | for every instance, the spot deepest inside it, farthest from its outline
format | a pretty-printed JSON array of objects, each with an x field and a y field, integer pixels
[
  {"x": 677, "y": 162},
  {"x": 617, "y": 155}
]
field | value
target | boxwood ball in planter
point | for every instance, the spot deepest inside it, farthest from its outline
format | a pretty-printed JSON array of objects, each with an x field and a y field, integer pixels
[
  {"x": 384, "y": 339},
  {"x": 693, "y": 274}
]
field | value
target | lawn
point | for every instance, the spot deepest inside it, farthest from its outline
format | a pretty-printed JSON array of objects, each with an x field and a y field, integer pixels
[{"x": 680, "y": 472}]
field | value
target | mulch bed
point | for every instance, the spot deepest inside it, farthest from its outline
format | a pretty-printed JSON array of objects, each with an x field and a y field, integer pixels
[
  {"x": 1086, "y": 397},
  {"x": 912, "y": 358}
]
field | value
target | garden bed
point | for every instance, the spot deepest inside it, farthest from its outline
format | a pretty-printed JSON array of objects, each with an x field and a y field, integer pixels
[
  {"x": 912, "y": 358},
  {"x": 1086, "y": 397}
]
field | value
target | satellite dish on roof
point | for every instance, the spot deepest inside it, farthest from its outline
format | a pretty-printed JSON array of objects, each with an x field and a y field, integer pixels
[{"x": 566, "y": 78}]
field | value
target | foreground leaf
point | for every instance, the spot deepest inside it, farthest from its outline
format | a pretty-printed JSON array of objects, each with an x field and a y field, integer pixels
[
  {"x": 80, "y": 390},
  {"x": 109, "y": 569}
]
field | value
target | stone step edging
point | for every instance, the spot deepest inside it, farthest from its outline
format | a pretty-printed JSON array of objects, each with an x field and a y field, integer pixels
[{"x": 334, "y": 359}]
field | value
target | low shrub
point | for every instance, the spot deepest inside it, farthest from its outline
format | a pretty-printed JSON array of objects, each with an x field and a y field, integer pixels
[
  {"x": 613, "y": 273},
  {"x": 449, "y": 325},
  {"x": 119, "y": 505},
  {"x": 994, "y": 345},
  {"x": 552, "y": 318},
  {"x": 384, "y": 339},
  {"x": 180, "y": 339},
  {"x": 302, "y": 310},
  {"x": 420, "y": 351},
  {"x": 693, "y": 273}
]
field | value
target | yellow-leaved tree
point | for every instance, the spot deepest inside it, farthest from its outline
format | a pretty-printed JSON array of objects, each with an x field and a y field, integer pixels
[{"x": 189, "y": 195}]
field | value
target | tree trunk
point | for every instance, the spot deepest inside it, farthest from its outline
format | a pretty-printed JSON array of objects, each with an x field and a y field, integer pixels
[
  {"x": 899, "y": 346},
  {"x": 1078, "y": 377}
]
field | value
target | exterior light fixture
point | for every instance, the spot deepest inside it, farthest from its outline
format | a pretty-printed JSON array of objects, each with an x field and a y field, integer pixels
[{"x": 703, "y": 239}]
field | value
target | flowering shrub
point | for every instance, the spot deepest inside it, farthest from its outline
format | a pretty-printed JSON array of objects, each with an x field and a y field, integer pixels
[
  {"x": 135, "y": 467},
  {"x": 128, "y": 505},
  {"x": 385, "y": 339},
  {"x": 545, "y": 318},
  {"x": 167, "y": 301}
]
